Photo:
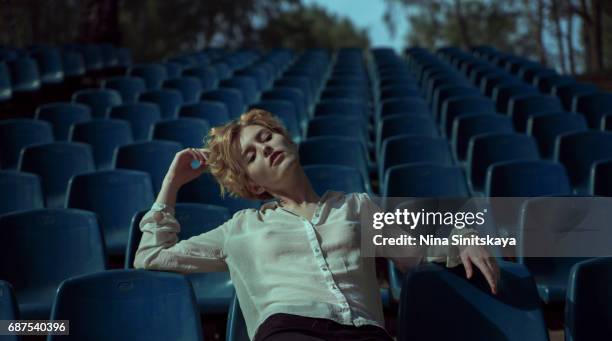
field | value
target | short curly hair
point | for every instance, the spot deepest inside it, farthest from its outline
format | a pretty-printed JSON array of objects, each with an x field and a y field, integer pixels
[{"x": 223, "y": 145}]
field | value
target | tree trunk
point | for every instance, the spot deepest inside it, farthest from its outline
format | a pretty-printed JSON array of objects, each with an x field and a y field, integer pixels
[
  {"x": 463, "y": 27},
  {"x": 541, "y": 50},
  {"x": 559, "y": 35},
  {"x": 570, "y": 38},
  {"x": 597, "y": 34},
  {"x": 586, "y": 36}
]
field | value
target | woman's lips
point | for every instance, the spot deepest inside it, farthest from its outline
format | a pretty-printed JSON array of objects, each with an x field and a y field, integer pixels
[{"x": 276, "y": 157}]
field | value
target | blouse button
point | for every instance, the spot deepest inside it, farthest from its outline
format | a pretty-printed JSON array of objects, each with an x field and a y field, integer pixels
[{"x": 324, "y": 268}]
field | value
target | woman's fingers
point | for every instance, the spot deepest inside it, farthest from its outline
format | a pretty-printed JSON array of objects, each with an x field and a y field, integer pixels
[
  {"x": 487, "y": 272},
  {"x": 467, "y": 264}
]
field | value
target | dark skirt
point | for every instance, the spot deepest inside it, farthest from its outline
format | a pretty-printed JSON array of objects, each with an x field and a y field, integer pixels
[{"x": 299, "y": 328}]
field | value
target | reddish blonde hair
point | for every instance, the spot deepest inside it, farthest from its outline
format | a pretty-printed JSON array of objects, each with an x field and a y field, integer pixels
[{"x": 223, "y": 144}]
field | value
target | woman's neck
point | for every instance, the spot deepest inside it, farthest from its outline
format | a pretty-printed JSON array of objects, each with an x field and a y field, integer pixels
[{"x": 299, "y": 195}]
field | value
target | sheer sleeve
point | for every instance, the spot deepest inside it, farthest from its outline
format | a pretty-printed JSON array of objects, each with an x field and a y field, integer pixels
[{"x": 160, "y": 248}]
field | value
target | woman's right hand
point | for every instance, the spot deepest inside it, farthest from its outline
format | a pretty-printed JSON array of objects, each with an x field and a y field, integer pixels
[{"x": 181, "y": 171}]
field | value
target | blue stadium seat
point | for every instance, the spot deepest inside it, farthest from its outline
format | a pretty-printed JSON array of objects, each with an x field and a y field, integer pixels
[
  {"x": 207, "y": 76},
  {"x": 173, "y": 70},
  {"x": 91, "y": 301},
  {"x": 454, "y": 107},
  {"x": 547, "y": 83},
  {"x": 169, "y": 101},
  {"x": 50, "y": 66},
  {"x": 222, "y": 70},
  {"x": 393, "y": 106},
  {"x": 236, "y": 326},
  {"x": 294, "y": 95},
  {"x": 606, "y": 122},
  {"x": 73, "y": 63},
  {"x": 55, "y": 163},
  {"x": 333, "y": 150},
  {"x": 521, "y": 108},
  {"x": 489, "y": 148},
  {"x": 400, "y": 124},
  {"x": 593, "y": 107},
  {"x": 489, "y": 83},
  {"x": 232, "y": 99},
  {"x": 247, "y": 85},
  {"x": 336, "y": 178},
  {"x": 588, "y": 303},
  {"x": 153, "y": 74},
  {"x": 153, "y": 157},
  {"x": 467, "y": 126},
  {"x": 347, "y": 92},
  {"x": 504, "y": 93},
  {"x": 104, "y": 136},
  {"x": 190, "y": 132},
  {"x": 25, "y": 188},
  {"x": 402, "y": 149},
  {"x": 546, "y": 128},
  {"x": 62, "y": 116},
  {"x": 6, "y": 90},
  {"x": 338, "y": 126},
  {"x": 286, "y": 112},
  {"x": 445, "y": 92},
  {"x": 260, "y": 73},
  {"x": 527, "y": 179},
  {"x": 25, "y": 76},
  {"x": 141, "y": 116},
  {"x": 16, "y": 134},
  {"x": 551, "y": 217},
  {"x": 343, "y": 107},
  {"x": 425, "y": 180},
  {"x": 600, "y": 181},
  {"x": 213, "y": 290},
  {"x": 302, "y": 83},
  {"x": 578, "y": 151},
  {"x": 115, "y": 195},
  {"x": 205, "y": 190},
  {"x": 567, "y": 92},
  {"x": 100, "y": 101},
  {"x": 128, "y": 87},
  {"x": 69, "y": 239},
  {"x": 513, "y": 314},
  {"x": 8, "y": 307},
  {"x": 189, "y": 87},
  {"x": 215, "y": 113},
  {"x": 400, "y": 91}
]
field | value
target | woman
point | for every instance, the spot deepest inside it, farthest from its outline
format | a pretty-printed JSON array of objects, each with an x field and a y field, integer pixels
[{"x": 295, "y": 262}]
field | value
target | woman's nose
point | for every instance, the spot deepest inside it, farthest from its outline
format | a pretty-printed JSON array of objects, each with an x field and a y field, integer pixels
[{"x": 267, "y": 151}]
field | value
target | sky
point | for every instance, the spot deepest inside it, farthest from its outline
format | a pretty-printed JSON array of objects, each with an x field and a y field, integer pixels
[{"x": 367, "y": 14}]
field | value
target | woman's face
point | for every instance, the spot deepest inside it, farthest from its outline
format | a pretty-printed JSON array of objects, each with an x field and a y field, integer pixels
[{"x": 268, "y": 157}]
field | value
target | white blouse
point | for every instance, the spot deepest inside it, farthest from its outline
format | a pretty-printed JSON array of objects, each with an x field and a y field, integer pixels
[{"x": 280, "y": 262}]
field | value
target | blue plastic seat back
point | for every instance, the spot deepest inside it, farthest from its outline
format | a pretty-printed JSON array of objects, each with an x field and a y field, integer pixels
[
  {"x": 445, "y": 92},
  {"x": 205, "y": 190},
  {"x": 294, "y": 95},
  {"x": 467, "y": 126},
  {"x": 302, "y": 83},
  {"x": 338, "y": 126},
  {"x": 232, "y": 99},
  {"x": 24, "y": 75},
  {"x": 190, "y": 132},
  {"x": 600, "y": 181},
  {"x": 403, "y": 149},
  {"x": 425, "y": 180},
  {"x": 115, "y": 195},
  {"x": 189, "y": 87},
  {"x": 546, "y": 128},
  {"x": 579, "y": 151},
  {"x": 568, "y": 92},
  {"x": 336, "y": 178},
  {"x": 247, "y": 85},
  {"x": 333, "y": 150},
  {"x": 141, "y": 117},
  {"x": 129, "y": 87},
  {"x": 594, "y": 107},
  {"x": 214, "y": 112},
  {"x": 50, "y": 65},
  {"x": 588, "y": 303},
  {"x": 401, "y": 124},
  {"x": 62, "y": 116},
  {"x": 153, "y": 74},
  {"x": 547, "y": 83},
  {"x": 8, "y": 307},
  {"x": 414, "y": 106},
  {"x": 236, "y": 326},
  {"x": 112, "y": 298},
  {"x": 527, "y": 179},
  {"x": 513, "y": 314},
  {"x": 55, "y": 163},
  {"x": 487, "y": 149},
  {"x": 505, "y": 93},
  {"x": 260, "y": 73},
  {"x": 285, "y": 111},
  {"x": 15, "y": 134},
  {"x": 73, "y": 63},
  {"x": 343, "y": 107},
  {"x": 521, "y": 108},
  {"x": 153, "y": 157},
  {"x": 25, "y": 188},
  {"x": 173, "y": 70},
  {"x": 168, "y": 100},
  {"x": 207, "y": 76},
  {"x": 104, "y": 136},
  {"x": 69, "y": 239},
  {"x": 6, "y": 90},
  {"x": 454, "y": 107},
  {"x": 100, "y": 101}
]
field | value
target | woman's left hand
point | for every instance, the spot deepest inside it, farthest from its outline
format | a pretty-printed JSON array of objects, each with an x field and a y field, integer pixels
[{"x": 479, "y": 256}]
